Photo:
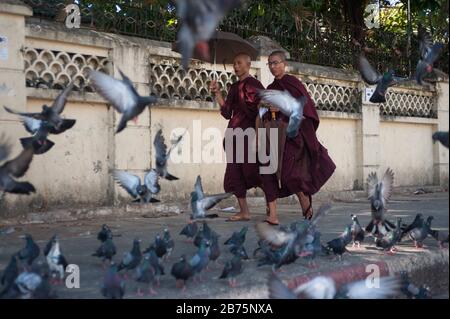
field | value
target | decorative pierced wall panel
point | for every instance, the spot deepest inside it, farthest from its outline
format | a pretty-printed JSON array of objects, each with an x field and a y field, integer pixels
[
  {"x": 171, "y": 81},
  {"x": 55, "y": 69},
  {"x": 409, "y": 104},
  {"x": 328, "y": 97}
]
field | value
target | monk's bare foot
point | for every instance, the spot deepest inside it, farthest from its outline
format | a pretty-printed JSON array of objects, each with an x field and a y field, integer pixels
[{"x": 239, "y": 217}]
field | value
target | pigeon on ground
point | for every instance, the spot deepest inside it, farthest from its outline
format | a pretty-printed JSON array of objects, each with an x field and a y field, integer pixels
[
  {"x": 121, "y": 95},
  {"x": 372, "y": 77},
  {"x": 232, "y": 269},
  {"x": 288, "y": 105},
  {"x": 159, "y": 246},
  {"x": 170, "y": 244},
  {"x": 190, "y": 230},
  {"x": 199, "y": 20},
  {"x": 113, "y": 285},
  {"x": 182, "y": 271},
  {"x": 132, "y": 258},
  {"x": 379, "y": 194},
  {"x": 49, "y": 245},
  {"x": 441, "y": 137},
  {"x": 411, "y": 291},
  {"x": 142, "y": 193},
  {"x": 9, "y": 275},
  {"x": 206, "y": 233},
  {"x": 237, "y": 238},
  {"x": 312, "y": 249},
  {"x": 419, "y": 234},
  {"x": 201, "y": 259},
  {"x": 30, "y": 252},
  {"x": 106, "y": 250},
  {"x": 155, "y": 262},
  {"x": 389, "y": 241},
  {"x": 214, "y": 250},
  {"x": 357, "y": 231},
  {"x": 16, "y": 168},
  {"x": 338, "y": 245},
  {"x": 239, "y": 251},
  {"x": 323, "y": 287},
  {"x": 104, "y": 233},
  {"x": 162, "y": 155},
  {"x": 201, "y": 203},
  {"x": 417, "y": 223},
  {"x": 51, "y": 114},
  {"x": 441, "y": 236},
  {"x": 145, "y": 273},
  {"x": 57, "y": 263},
  {"x": 429, "y": 53}
]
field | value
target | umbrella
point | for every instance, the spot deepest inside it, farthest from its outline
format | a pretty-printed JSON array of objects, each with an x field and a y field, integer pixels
[{"x": 223, "y": 47}]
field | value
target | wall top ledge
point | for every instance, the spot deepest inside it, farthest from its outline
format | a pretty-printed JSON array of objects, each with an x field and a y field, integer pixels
[{"x": 16, "y": 7}]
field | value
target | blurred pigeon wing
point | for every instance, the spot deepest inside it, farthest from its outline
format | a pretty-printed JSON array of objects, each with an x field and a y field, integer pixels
[
  {"x": 372, "y": 182},
  {"x": 61, "y": 100},
  {"x": 368, "y": 73},
  {"x": 151, "y": 181},
  {"x": 273, "y": 236},
  {"x": 387, "y": 184},
  {"x": 33, "y": 115},
  {"x": 281, "y": 99},
  {"x": 5, "y": 148},
  {"x": 31, "y": 125},
  {"x": 199, "y": 188},
  {"x": 318, "y": 288},
  {"x": 278, "y": 290},
  {"x": 18, "y": 166},
  {"x": 128, "y": 181},
  {"x": 388, "y": 286},
  {"x": 116, "y": 92}
]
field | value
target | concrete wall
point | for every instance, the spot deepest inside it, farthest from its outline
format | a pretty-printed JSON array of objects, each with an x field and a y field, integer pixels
[{"x": 77, "y": 171}]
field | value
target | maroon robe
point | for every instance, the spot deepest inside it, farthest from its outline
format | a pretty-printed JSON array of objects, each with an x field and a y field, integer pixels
[
  {"x": 305, "y": 164},
  {"x": 241, "y": 108}
]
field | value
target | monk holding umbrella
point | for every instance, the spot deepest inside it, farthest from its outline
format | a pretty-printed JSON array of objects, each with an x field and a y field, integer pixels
[{"x": 304, "y": 164}]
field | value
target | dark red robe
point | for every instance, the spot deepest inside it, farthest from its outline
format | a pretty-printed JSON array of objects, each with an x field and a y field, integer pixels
[
  {"x": 241, "y": 108},
  {"x": 305, "y": 164}
]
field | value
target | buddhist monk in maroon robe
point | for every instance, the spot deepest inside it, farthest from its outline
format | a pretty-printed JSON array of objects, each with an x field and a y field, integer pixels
[
  {"x": 241, "y": 109},
  {"x": 305, "y": 164}
]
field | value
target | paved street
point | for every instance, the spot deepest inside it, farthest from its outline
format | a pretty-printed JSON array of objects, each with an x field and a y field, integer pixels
[{"x": 78, "y": 242}]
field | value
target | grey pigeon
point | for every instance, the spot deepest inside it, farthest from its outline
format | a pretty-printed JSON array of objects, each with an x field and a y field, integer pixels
[
  {"x": 162, "y": 155},
  {"x": 357, "y": 231},
  {"x": 51, "y": 114},
  {"x": 145, "y": 273},
  {"x": 57, "y": 263},
  {"x": 442, "y": 137},
  {"x": 143, "y": 193},
  {"x": 121, "y": 95},
  {"x": 312, "y": 248},
  {"x": 214, "y": 250},
  {"x": 288, "y": 105},
  {"x": 237, "y": 238},
  {"x": 389, "y": 241},
  {"x": 132, "y": 258},
  {"x": 30, "y": 252},
  {"x": 49, "y": 245},
  {"x": 338, "y": 245},
  {"x": 199, "y": 19},
  {"x": 160, "y": 246},
  {"x": 9, "y": 275},
  {"x": 182, "y": 271},
  {"x": 113, "y": 285},
  {"x": 232, "y": 269},
  {"x": 200, "y": 203},
  {"x": 441, "y": 236},
  {"x": 239, "y": 251},
  {"x": 372, "y": 77},
  {"x": 155, "y": 263},
  {"x": 323, "y": 287},
  {"x": 16, "y": 168},
  {"x": 379, "y": 193},
  {"x": 429, "y": 53},
  {"x": 419, "y": 234},
  {"x": 40, "y": 130},
  {"x": 190, "y": 230},
  {"x": 206, "y": 233},
  {"x": 201, "y": 259},
  {"x": 104, "y": 233},
  {"x": 107, "y": 250},
  {"x": 417, "y": 223},
  {"x": 411, "y": 291},
  {"x": 170, "y": 243},
  {"x": 5, "y": 148}
]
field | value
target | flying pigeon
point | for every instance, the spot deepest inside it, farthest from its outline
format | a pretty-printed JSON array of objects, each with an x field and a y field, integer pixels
[
  {"x": 288, "y": 105},
  {"x": 51, "y": 114},
  {"x": 323, "y": 287},
  {"x": 121, "y": 95},
  {"x": 199, "y": 19},
  {"x": 429, "y": 53},
  {"x": 16, "y": 168},
  {"x": 379, "y": 194},
  {"x": 162, "y": 155},
  {"x": 441, "y": 137},
  {"x": 372, "y": 77},
  {"x": 201, "y": 203},
  {"x": 143, "y": 193}
]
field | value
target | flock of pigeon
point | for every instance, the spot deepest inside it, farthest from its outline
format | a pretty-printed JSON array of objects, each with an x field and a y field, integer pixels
[{"x": 27, "y": 277}]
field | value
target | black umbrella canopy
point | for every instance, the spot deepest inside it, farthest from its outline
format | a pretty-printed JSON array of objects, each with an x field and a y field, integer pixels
[{"x": 223, "y": 47}]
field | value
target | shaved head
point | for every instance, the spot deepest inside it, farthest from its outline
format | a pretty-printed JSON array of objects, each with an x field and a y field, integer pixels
[
  {"x": 279, "y": 54},
  {"x": 243, "y": 56}
]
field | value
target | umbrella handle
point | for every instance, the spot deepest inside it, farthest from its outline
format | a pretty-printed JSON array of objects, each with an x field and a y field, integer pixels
[{"x": 274, "y": 116}]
